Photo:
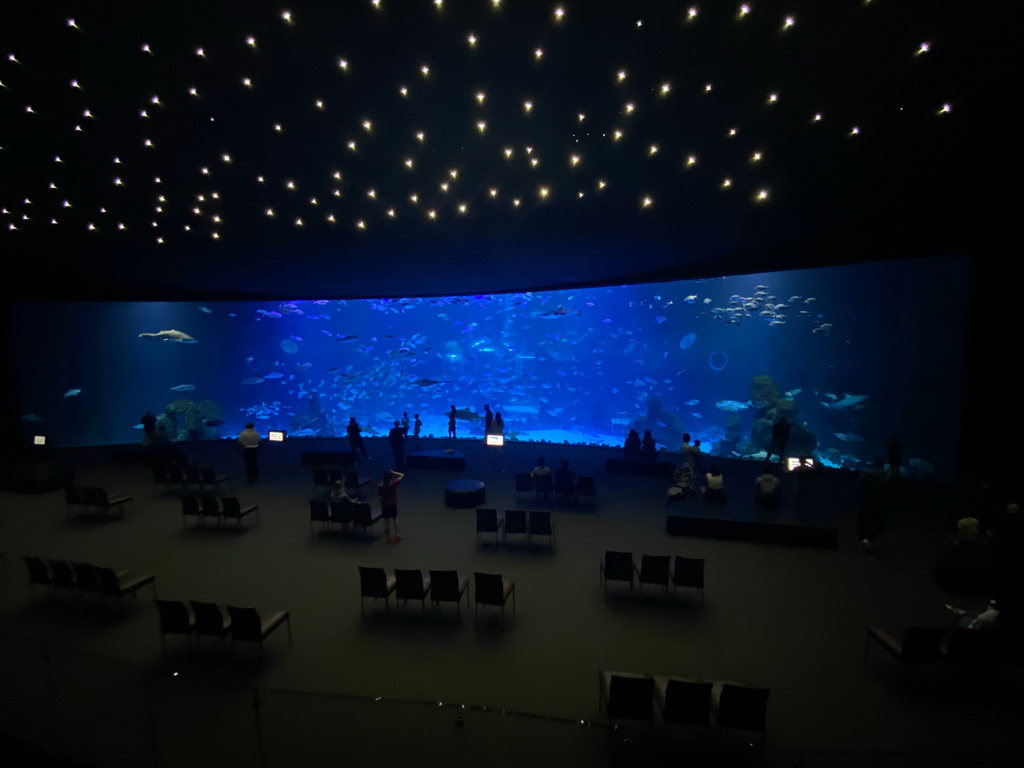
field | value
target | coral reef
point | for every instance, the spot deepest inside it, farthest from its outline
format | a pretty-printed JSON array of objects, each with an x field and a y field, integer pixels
[{"x": 192, "y": 420}]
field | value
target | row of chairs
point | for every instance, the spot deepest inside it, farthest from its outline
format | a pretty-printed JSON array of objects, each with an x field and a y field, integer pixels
[
  {"x": 218, "y": 507},
  {"x": 684, "y": 701},
  {"x": 343, "y": 512},
  {"x": 653, "y": 569},
  {"x": 91, "y": 499},
  {"x": 515, "y": 521},
  {"x": 191, "y": 478},
  {"x": 216, "y": 620},
  {"x": 85, "y": 577},
  {"x": 546, "y": 486},
  {"x": 439, "y": 586},
  {"x": 326, "y": 478}
]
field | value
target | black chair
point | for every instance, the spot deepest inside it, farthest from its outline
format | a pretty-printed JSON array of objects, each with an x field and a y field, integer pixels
[
  {"x": 689, "y": 572},
  {"x": 210, "y": 479},
  {"x": 120, "y": 583},
  {"x": 654, "y": 569},
  {"x": 492, "y": 589},
  {"x": 515, "y": 523},
  {"x": 741, "y": 708},
  {"x": 175, "y": 619},
  {"x": 73, "y": 498},
  {"x": 319, "y": 512},
  {"x": 341, "y": 513},
  {"x": 585, "y": 487},
  {"x": 353, "y": 482},
  {"x": 919, "y": 644},
  {"x": 412, "y": 585},
  {"x": 363, "y": 515},
  {"x": 62, "y": 575},
  {"x": 626, "y": 696},
  {"x": 190, "y": 508},
  {"x": 38, "y": 572},
  {"x": 375, "y": 583},
  {"x": 210, "y": 506},
  {"x": 524, "y": 483},
  {"x": 616, "y": 566},
  {"x": 541, "y": 524},
  {"x": 211, "y": 619},
  {"x": 232, "y": 509},
  {"x": 321, "y": 480},
  {"x": 89, "y": 498},
  {"x": 488, "y": 521},
  {"x": 86, "y": 578},
  {"x": 449, "y": 587},
  {"x": 684, "y": 702},
  {"x": 544, "y": 485},
  {"x": 194, "y": 479},
  {"x": 246, "y": 625},
  {"x": 565, "y": 485},
  {"x": 176, "y": 476}
]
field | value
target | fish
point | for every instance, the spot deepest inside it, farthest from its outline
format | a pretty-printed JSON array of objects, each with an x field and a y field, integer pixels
[
  {"x": 207, "y": 310},
  {"x": 560, "y": 312},
  {"x": 274, "y": 375},
  {"x": 732, "y": 406},
  {"x": 660, "y": 319},
  {"x": 253, "y": 381},
  {"x": 849, "y": 437},
  {"x": 922, "y": 465},
  {"x": 33, "y": 417},
  {"x": 170, "y": 335},
  {"x": 848, "y": 401},
  {"x": 304, "y": 366},
  {"x": 429, "y": 382},
  {"x": 304, "y": 433},
  {"x": 464, "y": 414},
  {"x": 809, "y": 300},
  {"x": 72, "y": 393},
  {"x": 792, "y": 393},
  {"x": 696, "y": 416},
  {"x": 183, "y": 388},
  {"x": 692, "y": 402},
  {"x": 346, "y": 338},
  {"x": 758, "y": 456},
  {"x": 707, "y": 301}
]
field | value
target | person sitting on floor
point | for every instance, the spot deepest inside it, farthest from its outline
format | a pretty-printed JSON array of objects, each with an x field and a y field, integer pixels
[
  {"x": 767, "y": 490},
  {"x": 565, "y": 478},
  {"x": 633, "y": 445},
  {"x": 648, "y": 448},
  {"x": 714, "y": 485}
]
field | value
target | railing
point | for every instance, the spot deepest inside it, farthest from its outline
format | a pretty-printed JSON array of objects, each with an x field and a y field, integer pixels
[{"x": 113, "y": 714}]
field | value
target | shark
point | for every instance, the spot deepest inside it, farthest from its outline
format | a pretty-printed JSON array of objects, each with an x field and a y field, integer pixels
[
  {"x": 169, "y": 335},
  {"x": 848, "y": 401}
]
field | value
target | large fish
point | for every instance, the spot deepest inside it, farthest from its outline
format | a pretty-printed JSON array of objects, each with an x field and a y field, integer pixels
[
  {"x": 849, "y": 437},
  {"x": 183, "y": 388},
  {"x": 732, "y": 406},
  {"x": 169, "y": 335},
  {"x": 464, "y": 414},
  {"x": 848, "y": 401},
  {"x": 72, "y": 393}
]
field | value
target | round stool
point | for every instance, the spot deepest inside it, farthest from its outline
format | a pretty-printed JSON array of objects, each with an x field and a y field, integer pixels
[{"x": 464, "y": 494}]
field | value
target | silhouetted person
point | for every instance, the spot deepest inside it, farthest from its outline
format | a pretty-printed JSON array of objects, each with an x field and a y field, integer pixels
[
  {"x": 405, "y": 423},
  {"x": 249, "y": 439},
  {"x": 416, "y": 425},
  {"x": 565, "y": 478},
  {"x": 497, "y": 425},
  {"x": 387, "y": 494},
  {"x": 451, "y": 423},
  {"x": 633, "y": 445},
  {"x": 397, "y": 439},
  {"x": 543, "y": 477},
  {"x": 780, "y": 436},
  {"x": 648, "y": 448},
  {"x": 894, "y": 449},
  {"x": 355, "y": 438},
  {"x": 714, "y": 486},
  {"x": 148, "y": 422},
  {"x": 488, "y": 420},
  {"x": 767, "y": 490}
]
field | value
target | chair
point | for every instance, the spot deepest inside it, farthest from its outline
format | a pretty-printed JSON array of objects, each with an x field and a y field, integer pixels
[
  {"x": 565, "y": 485},
  {"x": 585, "y": 487},
  {"x": 488, "y": 521},
  {"x": 193, "y": 478},
  {"x": 38, "y": 573},
  {"x": 541, "y": 524},
  {"x": 626, "y": 696},
  {"x": 363, "y": 515},
  {"x": 175, "y": 619},
  {"x": 375, "y": 583},
  {"x": 448, "y": 587},
  {"x": 919, "y": 644},
  {"x": 210, "y": 506},
  {"x": 161, "y": 477},
  {"x": 341, "y": 512},
  {"x": 73, "y": 498},
  {"x": 412, "y": 585},
  {"x": 353, "y": 482},
  {"x": 654, "y": 569},
  {"x": 176, "y": 476},
  {"x": 683, "y": 702},
  {"x": 515, "y": 522},
  {"x": 689, "y": 572},
  {"x": 211, "y": 479},
  {"x": 319, "y": 512},
  {"x": 321, "y": 480},
  {"x": 86, "y": 579},
  {"x": 103, "y": 500},
  {"x": 120, "y": 583},
  {"x": 524, "y": 483},
  {"x": 211, "y": 619},
  {"x": 543, "y": 485},
  {"x": 89, "y": 498},
  {"x": 741, "y": 708},
  {"x": 246, "y": 625},
  {"x": 492, "y": 589},
  {"x": 232, "y": 509},
  {"x": 62, "y": 575},
  {"x": 190, "y": 508},
  {"x": 616, "y": 566}
]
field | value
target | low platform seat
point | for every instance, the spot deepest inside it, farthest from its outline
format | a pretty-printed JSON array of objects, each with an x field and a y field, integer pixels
[{"x": 465, "y": 494}]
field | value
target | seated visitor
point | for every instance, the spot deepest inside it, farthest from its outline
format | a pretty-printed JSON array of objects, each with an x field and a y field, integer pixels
[
  {"x": 968, "y": 530},
  {"x": 714, "y": 485},
  {"x": 565, "y": 478},
  {"x": 543, "y": 477},
  {"x": 695, "y": 454},
  {"x": 986, "y": 619},
  {"x": 338, "y": 492},
  {"x": 687, "y": 450},
  {"x": 682, "y": 484},
  {"x": 767, "y": 491},
  {"x": 633, "y": 445},
  {"x": 648, "y": 448}
]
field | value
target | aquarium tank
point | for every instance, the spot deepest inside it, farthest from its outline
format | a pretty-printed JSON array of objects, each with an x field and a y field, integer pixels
[{"x": 850, "y": 355}]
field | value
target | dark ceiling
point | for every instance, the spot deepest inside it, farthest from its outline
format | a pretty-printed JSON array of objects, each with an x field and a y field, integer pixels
[{"x": 210, "y": 164}]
